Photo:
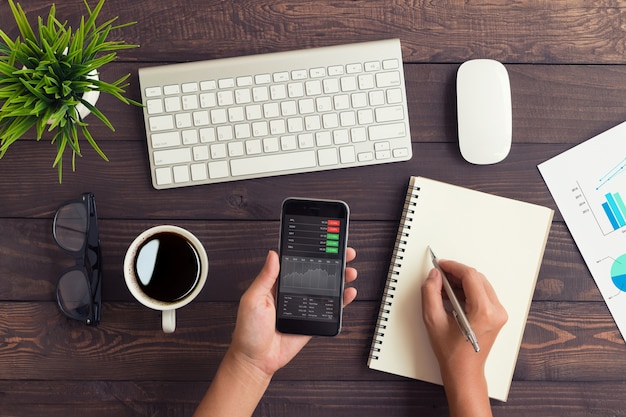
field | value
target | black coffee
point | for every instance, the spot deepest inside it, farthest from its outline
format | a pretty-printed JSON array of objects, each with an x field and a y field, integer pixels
[{"x": 167, "y": 267}]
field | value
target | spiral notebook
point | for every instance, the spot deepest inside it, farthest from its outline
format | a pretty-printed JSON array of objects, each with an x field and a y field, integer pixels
[{"x": 502, "y": 238}]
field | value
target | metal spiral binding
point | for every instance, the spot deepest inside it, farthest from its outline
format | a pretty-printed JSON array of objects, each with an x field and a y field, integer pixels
[{"x": 397, "y": 257}]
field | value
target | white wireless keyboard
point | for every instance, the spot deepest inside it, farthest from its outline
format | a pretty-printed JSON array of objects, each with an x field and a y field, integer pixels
[{"x": 273, "y": 114}]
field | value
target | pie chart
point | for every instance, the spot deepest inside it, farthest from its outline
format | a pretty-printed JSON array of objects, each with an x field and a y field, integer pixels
[{"x": 618, "y": 272}]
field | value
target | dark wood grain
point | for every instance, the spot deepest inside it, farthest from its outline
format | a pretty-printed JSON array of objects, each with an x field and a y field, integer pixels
[
  {"x": 527, "y": 32},
  {"x": 566, "y": 65},
  {"x": 129, "y": 345},
  {"x": 284, "y": 399}
]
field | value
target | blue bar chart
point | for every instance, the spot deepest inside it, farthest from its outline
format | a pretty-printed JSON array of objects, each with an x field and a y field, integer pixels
[{"x": 615, "y": 210}]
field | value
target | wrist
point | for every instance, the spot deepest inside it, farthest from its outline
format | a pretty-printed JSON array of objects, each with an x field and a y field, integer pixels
[
  {"x": 467, "y": 392},
  {"x": 240, "y": 364}
]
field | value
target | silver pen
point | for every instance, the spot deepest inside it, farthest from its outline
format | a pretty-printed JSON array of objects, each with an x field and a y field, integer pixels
[{"x": 457, "y": 310}]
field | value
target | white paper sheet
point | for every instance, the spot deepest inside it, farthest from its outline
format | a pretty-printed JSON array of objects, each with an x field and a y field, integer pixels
[{"x": 588, "y": 183}]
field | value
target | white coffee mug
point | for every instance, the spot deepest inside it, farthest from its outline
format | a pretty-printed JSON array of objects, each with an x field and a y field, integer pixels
[{"x": 165, "y": 268}]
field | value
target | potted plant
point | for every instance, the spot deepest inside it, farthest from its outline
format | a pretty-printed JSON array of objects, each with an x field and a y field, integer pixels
[{"x": 49, "y": 78}]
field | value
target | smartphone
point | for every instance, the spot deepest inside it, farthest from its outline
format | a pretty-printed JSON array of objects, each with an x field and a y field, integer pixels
[{"x": 312, "y": 248}]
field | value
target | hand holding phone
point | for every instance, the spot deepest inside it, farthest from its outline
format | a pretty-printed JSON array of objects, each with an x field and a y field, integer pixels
[{"x": 313, "y": 241}]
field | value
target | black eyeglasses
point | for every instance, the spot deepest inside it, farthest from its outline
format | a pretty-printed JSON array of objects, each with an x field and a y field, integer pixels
[{"x": 75, "y": 230}]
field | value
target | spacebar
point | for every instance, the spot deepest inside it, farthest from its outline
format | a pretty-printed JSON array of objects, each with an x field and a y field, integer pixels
[{"x": 272, "y": 163}]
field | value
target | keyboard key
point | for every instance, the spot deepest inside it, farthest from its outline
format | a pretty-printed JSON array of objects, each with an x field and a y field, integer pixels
[
  {"x": 323, "y": 139},
  {"x": 165, "y": 140},
  {"x": 218, "y": 116},
  {"x": 377, "y": 98},
  {"x": 235, "y": 149},
  {"x": 277, "y": 127},
  {"x": 253, "y": 112},
  {"x": 390, "y": 131},
  {"x": 236, "y": 114},
  {"x": 262, "y": 79},
  {"x": 354, "y": 68},
  {"x": 312, "y": 122},
  {"x": 366, "y": 81},
  {"x": 295, "y": 90},
  {"x": 306, "y": 141},
  {"x": 243, "y": 96},
  {"x": 366, "y": 156},
  {"x": 335, "y": 70},
  {"x": 327, "y": 156},
  {"x": 171, "y": 89},
  {"x": 183, "y": 120},
  {"x": 172, "y": 156},
  {"x": 340, "y": 137},
  {"x": 313, "y": 88},
  {"x": 153, "y": 91},
  {"x": 342, "y": 102},
  {"x": 224, "y": 133},
  {"x": 272, "y": 163},
  {"x": 226, "y": 83},
  {"x": 331, "y": 85},
  {"x": 270, "y": 145},
  {"x": 299, "y": 74},
  {"x": 278, "y": 92},
  {"x": 163, "y": 176},
  {"x": 260, "y": 94},
  {"x": 348, "y": 84},
  {"x": 330, "y": 120},
  {"x": 317, "y": 72},
  {"x": 201, "y": 118},
  {"x": 253, "y": 147},
  {"x": 198, "y": 172},
  {"x": 347, "y": 155},
  {"x": 306, "y": 106},
  {"x": 190, "y": 137},
  {"x": 190, "y": 87},
  {"x": 260, "y": 129},
  {"x": 394, "y": 96},
  {"x": 218, "y": 169},
  {"x": 281, "y": 77},
  {"x": 158, "y": 123},
  {"x": 372, "y": 66},
  {"x": 181, "y": 173},
  {"x": 400, "y": 153},
  {"x": 347, "y": 118},
  {"x": 218, "y": 151},
  {"x": 358, "y": 134},
  {"x": 172, "y": 104},
  {"x": 288, "y": 108},
  {"x": 154, "y": 106},
  {"x": 365, "y": 117},
  {"x": 388, "y": 79},
  {"x": 391, "y": 64},
  {"x": 242, "y": 131},
  {"x": 244, "y": 81},
  {"x": 389, "y": 114},
  {"x": 288, "y": 143},
  {"x": 207, "y": 134},
  {"x": 201, "y": 153},
  {"x": 225, "y": 98},
  {"x": 208, "y": 85}
]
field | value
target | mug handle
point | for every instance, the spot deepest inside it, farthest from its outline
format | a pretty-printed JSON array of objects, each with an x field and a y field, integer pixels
[{"x": 168, "y": 321}]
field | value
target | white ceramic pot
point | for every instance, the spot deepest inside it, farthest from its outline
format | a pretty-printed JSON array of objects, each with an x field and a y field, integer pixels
[{"x": 90, "y": 97}]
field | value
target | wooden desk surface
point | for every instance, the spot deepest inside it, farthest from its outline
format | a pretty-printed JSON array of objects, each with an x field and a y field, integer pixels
[{"x": 565, "y": 61}]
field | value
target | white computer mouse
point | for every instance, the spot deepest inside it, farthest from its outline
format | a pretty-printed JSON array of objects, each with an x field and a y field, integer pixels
[{"x": 484, "y": 111}]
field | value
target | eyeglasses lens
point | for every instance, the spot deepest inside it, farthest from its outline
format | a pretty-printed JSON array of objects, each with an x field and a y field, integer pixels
[
  {"x": 70, "y": 227},
  {"x": 73, "y": 294}
]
